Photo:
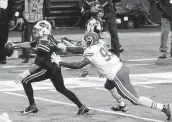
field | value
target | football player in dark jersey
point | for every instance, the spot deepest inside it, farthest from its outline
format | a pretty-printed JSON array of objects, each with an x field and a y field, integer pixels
[{"x": 43, "y": 68}]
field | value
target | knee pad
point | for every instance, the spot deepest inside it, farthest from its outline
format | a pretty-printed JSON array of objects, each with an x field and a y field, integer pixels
[{"x": 109, "y": 85}]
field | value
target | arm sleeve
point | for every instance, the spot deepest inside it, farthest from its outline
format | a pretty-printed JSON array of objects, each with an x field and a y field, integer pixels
[
  {"x": 77, "y": 50},
  {"x": 43, "y": 47},
  {"x": 75, "y": 65}
]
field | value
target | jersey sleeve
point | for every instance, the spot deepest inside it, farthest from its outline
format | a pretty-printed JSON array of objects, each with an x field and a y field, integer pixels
[
  {"x": 88, "y": 53},
  {"x": 43, "y": 48}
]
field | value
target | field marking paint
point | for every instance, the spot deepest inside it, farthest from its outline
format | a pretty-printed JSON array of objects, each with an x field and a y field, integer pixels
[
  {"x": 27, "y": 66},
  {"x": 93, "y": 82},
  {"x": 148, "y": 59},
  {"x": 131, "y": 65},
  {"x": 15, "y": 66},
  {"x": 96, "y": 109},
  {"x": 144, "y": 86}
]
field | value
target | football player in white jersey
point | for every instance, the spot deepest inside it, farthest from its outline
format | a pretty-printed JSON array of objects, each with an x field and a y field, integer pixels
[{"x": 116, "y": 73}]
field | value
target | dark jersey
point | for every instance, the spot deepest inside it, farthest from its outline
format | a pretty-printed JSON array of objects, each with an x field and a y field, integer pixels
[{"x": 44, "y": 49}]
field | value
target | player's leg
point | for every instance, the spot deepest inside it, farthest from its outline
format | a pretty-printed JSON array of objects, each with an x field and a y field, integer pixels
[
  {"x": 112, "y": 25},
  {"x": 109, "y": 85},
  {"x": 57, "y": 80},
  {"x": 125, "y": 88},
  {"x": 165, "y": 29},
  {"x": 26, "y": 82},
  {"x": 171, "y": 38},
  {"x": 4, "y": 30},
  {"x": 26, "y": 38}
]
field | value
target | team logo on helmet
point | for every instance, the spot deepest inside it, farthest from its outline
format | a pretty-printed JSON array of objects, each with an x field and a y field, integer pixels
[{"x": 41, "y": 28}]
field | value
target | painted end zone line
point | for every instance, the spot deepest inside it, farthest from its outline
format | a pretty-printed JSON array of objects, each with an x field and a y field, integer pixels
[{"x": 96, "y": 109}]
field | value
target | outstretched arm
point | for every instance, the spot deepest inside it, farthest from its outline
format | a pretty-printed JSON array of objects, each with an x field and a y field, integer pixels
[
  {"x": 77, "y": 50},
  {"x": 75, "y": 65},
  {"x": 23, "y": 45}
]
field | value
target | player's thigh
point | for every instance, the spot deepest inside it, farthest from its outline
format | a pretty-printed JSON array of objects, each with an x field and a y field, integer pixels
[
  {"x": 124, "y": 86},
  {"x": 36, "y": 77},
  {"x": 56, "y": 78}
]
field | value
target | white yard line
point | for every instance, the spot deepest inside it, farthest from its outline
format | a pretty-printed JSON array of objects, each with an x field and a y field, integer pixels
[
  {"x": 14, "y": 66},
  {"x": 145, "y": 59},
  {"x": 144, "y": 86},
  {"x": 96, "y": 109},
  {"x": 131, "y": 65}
]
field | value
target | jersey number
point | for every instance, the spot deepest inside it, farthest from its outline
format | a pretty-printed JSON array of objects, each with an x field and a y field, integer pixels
[{"x": 104, "y": 53}]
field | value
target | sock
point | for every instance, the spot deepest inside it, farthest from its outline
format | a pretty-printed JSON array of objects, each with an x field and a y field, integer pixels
[
  {"x": 149, "y": 103},
  {"x": 117, "y": 96},
  {"x": 71, "y": 96},
  {"x": 29, "y": 92},
  {"x": 120, "y": 102}
]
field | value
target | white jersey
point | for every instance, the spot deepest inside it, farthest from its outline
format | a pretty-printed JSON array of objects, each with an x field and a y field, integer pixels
[{"x": 107, "y": 63}]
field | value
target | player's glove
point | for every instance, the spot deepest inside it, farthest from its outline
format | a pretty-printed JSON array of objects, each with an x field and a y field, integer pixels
[
  {"x": 62, "y": 46},
  {"x": 55, "y": 58}
]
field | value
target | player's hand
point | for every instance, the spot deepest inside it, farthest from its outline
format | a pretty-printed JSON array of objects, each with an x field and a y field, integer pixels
[
  {"x": 18, "y": 79},
  {"x": 62, "y": 46},
  {"x": 55, "y": 58}
]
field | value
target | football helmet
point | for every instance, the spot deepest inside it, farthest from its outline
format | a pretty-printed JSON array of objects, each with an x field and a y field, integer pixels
[
  {"x": 41, "y": 28},
  {"x": 90, "y": 39}
]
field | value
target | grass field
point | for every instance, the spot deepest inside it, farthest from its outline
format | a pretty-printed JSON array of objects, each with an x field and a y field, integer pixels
[{"x": 151, "y": 77}]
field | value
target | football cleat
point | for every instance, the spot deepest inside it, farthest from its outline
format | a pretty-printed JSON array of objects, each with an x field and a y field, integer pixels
[
  {"x": 167, "y": 110},
  {"x": 30, "y": 109},
  {"x": 82, "y": 110},
  {"x": 120, "y": 108}
]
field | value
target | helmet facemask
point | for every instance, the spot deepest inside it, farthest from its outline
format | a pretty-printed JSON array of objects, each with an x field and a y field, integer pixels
[
  {"x": 41, "y": 29},
  {"x": 90, "y": 39}
]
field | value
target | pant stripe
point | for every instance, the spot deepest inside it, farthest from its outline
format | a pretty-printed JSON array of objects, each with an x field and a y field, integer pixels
[
  {"x": 122, "y": 89},
  {"x": 125, "y": 91},
  {"x": 31, "y": 77}
]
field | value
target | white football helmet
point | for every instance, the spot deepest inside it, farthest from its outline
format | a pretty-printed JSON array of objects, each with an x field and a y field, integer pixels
[
  {"x": 42, "y": 28},
  {"x": 90, "y": 39}
]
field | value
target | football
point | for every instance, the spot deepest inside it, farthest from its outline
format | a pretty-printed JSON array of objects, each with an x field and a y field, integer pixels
[{"x": 9, "y": 49}]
